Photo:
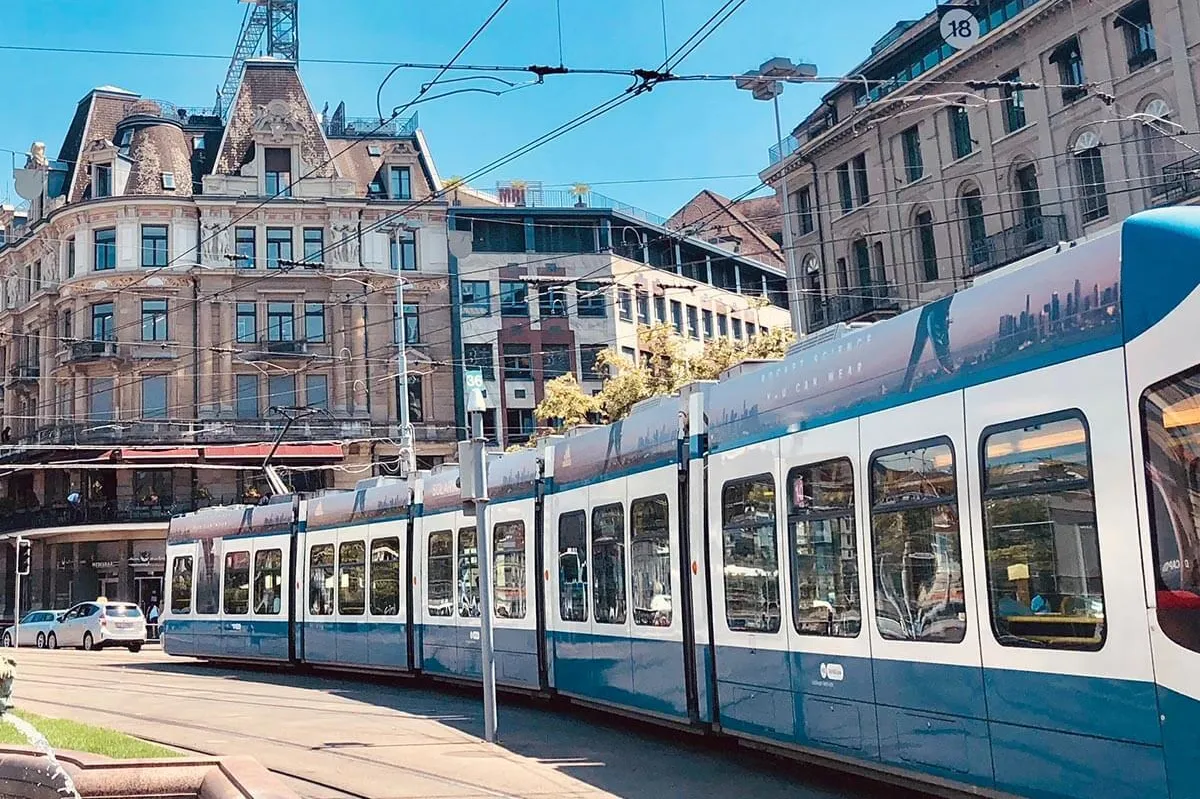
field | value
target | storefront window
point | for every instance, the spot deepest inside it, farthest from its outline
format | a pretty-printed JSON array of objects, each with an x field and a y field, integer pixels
[{"x": 153, "y": 488}]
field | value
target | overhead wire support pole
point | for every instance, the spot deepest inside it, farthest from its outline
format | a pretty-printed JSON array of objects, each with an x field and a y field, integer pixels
[
  {"x": 473, "y": 481},
  {"x": 407, "y": 445}
]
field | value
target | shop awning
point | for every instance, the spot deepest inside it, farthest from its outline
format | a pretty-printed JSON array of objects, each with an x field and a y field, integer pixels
[
  {"x": 292, "y": 451},
  {"x": 157, "y": 453}
]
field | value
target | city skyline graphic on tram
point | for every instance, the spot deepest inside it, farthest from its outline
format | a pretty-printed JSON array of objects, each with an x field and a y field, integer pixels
[{"x": 1064, "y": 308}]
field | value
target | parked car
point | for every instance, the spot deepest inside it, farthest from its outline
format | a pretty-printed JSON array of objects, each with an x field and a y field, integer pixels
[
  {"x": 35, "y": 626},
  {"x": 93, "y": 625}
]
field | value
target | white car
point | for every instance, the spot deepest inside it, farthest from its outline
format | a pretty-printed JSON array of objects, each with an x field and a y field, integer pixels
[
  {"x": 93, "y": 625},
  {"x": 36, "y": 625}
]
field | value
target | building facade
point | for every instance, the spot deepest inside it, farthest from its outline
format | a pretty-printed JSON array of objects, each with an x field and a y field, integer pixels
[
  {"x": 183, "y": 275},
  {"x": 940, "y": 165},
  {"x": 542, "y": 291}
]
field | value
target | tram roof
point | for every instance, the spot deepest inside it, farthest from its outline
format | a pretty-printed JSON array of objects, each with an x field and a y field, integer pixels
[
  {"x": 1082, "y": 300},
  {"x": 232, "y": 520}
]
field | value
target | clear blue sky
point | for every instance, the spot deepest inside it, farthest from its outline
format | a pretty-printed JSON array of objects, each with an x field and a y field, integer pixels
[{"x": 679, "y": 130}]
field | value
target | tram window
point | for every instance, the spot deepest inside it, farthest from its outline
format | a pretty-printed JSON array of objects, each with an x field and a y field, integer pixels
[
  {"x": 385, "y": 577},
  {"x": 508, "y": 585},
  {"x": 825, "y": 590},
  {"x": 608, "y": 563},
  {"x": 237, "y": 583},
  {"x": 1171, "y": 441},
  {"x": 208, "y": 577},
  {"x": 440, "y": 573},
  {"x": 1039, "y": 536},
  {"x": 751, "y": 555},
  {"x": 352, "y": 578},
  {"x": 572, "y": 567},
  {"x": 268, "y": 581},
  {"x": 650, "y": 561},
  {"x": 916, "y": 545},
  {"x": 181, "y": 584},
  {"x": 320, "y": 580},
  {"x": 468, "y": 573}
]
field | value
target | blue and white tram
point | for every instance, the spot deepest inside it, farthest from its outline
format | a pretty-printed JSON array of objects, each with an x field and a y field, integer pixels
[
  {"x": 353, "y": 578},
  {"x": 960, "y": 546},
  {"x": 230, "y": 571}
]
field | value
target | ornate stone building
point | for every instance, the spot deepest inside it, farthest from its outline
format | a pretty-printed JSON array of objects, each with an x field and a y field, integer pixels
[
  {"x": 183, "y": 274},
  {"x": 941, "y": 165}
]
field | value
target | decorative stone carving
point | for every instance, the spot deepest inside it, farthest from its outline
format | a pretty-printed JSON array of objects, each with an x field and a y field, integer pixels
[
  {"x": 216, "y": 239},
  {"x": 37, "y": 156},
  {"x": 278, "y": 121}
]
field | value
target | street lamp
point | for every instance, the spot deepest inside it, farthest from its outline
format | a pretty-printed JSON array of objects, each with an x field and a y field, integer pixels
[{"x": 766, "y": 83}]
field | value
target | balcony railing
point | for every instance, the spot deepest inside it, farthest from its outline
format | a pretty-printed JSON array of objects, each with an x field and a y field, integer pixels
[
  {"x": 536, "y": 197},
  {"x": 272, "y": 349},
  {"x": 1014, "y": 243},
  {"x": 1180, "y": 181},
  {"x": 790, "y": 145},
  {"x": 369, "y": 128},
  {"x": 875, "y": 301},
  {"x": 195, "y": 431},
  {"x": 60, "y": 513},
  {"x": 91, "y": 350},
  {"x": 24, "y": 371}
]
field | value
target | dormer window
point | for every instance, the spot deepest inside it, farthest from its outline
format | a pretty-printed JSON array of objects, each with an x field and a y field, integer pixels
[
  {"x": 400, "y": 183},
  {"x": 168, "y": 180},
  {"x": 198, "y": 143},
  {"x": 102, "y": 180},
  {"x": 278, "y": 171}
]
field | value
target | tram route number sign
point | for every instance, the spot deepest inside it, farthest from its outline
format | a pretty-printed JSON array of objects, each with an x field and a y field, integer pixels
[
  {"x": 472, "y": 379},
  {"x": 960, "y": 28}
]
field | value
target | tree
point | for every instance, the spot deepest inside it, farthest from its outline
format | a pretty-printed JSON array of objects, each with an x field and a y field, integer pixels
[
  {"x": 666, "y": 367},
  {"x": 565, "y": 405}
]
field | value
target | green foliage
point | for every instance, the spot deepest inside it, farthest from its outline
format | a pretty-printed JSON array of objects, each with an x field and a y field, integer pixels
[
  {"x": 74, "y": 736},
  {"x": 666, "y": 368},
  {"x": 565, "y": 405}
]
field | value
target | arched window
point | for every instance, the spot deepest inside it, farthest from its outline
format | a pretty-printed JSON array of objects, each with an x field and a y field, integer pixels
[
  {"x": 925, "y": 244},
  {"x": 1089, "y": 169},
  {"x": 862, "y": 261},
  {"x": 974, "y": 226},
  {"x": 810, "y": 280},
  {"x": 1027, "y": 202},
  {"x": 1154, "y": 141}
]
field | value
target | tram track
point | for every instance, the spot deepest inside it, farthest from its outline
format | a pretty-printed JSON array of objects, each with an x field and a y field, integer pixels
[{"x": 313, "y": 728}]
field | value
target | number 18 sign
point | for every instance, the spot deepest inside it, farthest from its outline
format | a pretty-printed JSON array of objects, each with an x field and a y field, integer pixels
[{"x": 960, "y": 28}]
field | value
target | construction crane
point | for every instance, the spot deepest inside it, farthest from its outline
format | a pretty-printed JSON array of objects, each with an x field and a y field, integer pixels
[{"x": 275, "y": 18}]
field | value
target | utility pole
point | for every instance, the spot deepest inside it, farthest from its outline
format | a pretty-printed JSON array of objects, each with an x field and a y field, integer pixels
[
  {"x": 765, "y": 84},
  {"x": 472, "y": 459}
]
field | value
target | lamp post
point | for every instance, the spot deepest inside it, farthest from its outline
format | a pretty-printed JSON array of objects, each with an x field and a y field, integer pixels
[{"x": 766, "y": 83}]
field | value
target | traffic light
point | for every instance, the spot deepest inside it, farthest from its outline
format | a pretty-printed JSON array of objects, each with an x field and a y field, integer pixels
[{"x": 22, "y": 556}]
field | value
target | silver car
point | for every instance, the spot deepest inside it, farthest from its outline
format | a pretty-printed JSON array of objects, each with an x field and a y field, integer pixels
[
  {"x": 36, "y": 625},
  {"x": 93, "y": 625}
]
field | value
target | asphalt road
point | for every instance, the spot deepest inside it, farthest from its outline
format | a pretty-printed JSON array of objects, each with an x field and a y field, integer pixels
[{"x": 335, "y": 736}]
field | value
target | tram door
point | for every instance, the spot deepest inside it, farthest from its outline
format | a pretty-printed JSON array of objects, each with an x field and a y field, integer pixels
[
  {"x": 1164, "y": 410},
  {"x": 924, "y": 637},
  {"x": 1068, "y": 673}
]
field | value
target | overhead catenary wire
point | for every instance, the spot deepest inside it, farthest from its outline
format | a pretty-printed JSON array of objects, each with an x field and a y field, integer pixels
[{"x": 646, "y": 81}]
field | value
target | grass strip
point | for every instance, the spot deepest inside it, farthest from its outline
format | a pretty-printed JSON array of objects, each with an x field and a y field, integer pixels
[{"x": 66, "y": 734}]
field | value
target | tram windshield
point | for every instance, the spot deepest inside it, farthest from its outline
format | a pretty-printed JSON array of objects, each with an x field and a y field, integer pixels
[{"x": 1171, "y": 435}]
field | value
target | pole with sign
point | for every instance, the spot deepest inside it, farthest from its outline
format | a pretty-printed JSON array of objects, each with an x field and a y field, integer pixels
[
  {"x": 472, "y": 470},
  {"x": 959, "y": 27}
]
